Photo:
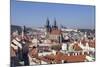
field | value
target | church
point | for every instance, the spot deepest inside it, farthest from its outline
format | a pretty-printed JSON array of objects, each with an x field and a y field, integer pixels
[{"x": 53, "y": 32}]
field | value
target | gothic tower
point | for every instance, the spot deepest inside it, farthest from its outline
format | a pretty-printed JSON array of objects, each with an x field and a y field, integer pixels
[
  {"x": 48, "y": 27},
  {"x": 55, "y": 25}
]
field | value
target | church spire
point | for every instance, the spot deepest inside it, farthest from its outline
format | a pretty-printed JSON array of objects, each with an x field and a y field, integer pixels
[
  {"x": 55, "y": 24},
  {"x": 48, "y": 27}
]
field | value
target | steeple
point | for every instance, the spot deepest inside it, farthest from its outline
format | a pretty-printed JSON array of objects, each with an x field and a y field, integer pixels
[
  {"x": 48, "y": 27},
  {"x": 55, "y": 24}
]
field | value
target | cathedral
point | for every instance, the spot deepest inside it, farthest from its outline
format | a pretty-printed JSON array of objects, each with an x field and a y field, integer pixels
[{"x": 53, "y": 32}]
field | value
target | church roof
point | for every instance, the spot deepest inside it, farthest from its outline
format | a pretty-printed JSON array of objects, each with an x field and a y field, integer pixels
[{"x": 55, "y": 32}]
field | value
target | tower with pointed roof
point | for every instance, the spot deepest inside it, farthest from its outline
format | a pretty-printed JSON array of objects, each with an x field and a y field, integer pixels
[
  {"x": 54, "y": 26},
  {"x": 48, "y": 27}
]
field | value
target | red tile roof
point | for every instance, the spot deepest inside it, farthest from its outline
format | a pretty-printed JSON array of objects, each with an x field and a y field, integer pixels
[
  {"x": 79, "y": 58},
  {"x": 76, "y": 47}
]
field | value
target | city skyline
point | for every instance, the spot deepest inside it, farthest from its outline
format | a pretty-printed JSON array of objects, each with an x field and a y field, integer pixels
[{"x": 35, "y": 14}]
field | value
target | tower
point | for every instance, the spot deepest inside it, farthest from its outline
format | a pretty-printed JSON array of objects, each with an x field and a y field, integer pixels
[
  {"x": 48, "y": 27},
  {"x": 55, "y": 24}
]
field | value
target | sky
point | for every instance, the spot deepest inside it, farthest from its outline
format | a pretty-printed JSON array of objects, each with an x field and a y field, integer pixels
[{"x": 35, "y": 14}]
